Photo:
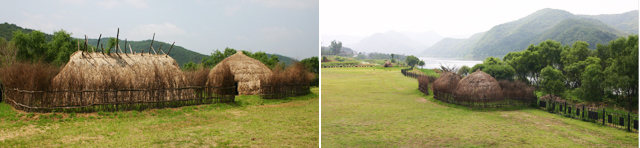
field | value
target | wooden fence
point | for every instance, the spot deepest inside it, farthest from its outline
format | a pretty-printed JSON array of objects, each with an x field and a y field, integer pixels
[
  {"x": 345, "y": 66},
  {"x": 116, "y": 100},
  {"x": 283, "y": 91},
  {"x": 618, "y": 119}
]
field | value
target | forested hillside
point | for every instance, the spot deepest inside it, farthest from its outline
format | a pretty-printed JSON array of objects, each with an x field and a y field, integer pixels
[
  {"x": 179, "y": 53},
  {"x": 558, "y": 25}
]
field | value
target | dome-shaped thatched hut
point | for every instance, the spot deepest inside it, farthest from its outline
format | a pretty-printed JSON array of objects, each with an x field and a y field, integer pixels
[
  {"x": 97, "y": 71},
  {"x": 446, "y": 83},
  {"x": 247, "y": 72},
  {"x": 388, "y": 64},
  {"x": 479, "y": 85}
]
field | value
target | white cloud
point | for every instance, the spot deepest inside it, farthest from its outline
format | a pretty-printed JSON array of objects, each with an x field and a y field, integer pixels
[
  {"x": 165, "y": 30},
  {"x": 229, "y": 11},
  {"x": 37, "y": 22},
  {"x": 137, "y": 3},
  {"x": 109, "y": 4},
  {"x": 297, "y": 4}
]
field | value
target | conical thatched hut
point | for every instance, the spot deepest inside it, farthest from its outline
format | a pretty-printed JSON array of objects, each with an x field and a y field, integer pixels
[
  {"x": 124, "y": 71},
  {"x": 388, "y": 64},
  {"x": 479, "y": 85},
  {"x": 247, "y": 72},
  {"x": 446, "y": 83}
]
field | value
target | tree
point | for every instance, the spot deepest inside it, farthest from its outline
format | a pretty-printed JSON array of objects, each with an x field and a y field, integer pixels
[
  {"x": 412, "y": 61},
  {"x": 421, "y": 63},
  {"x": 216, "y": 57},
  {"x": 592, "y": 78},
  {"x": 111, "y": 44},
  {"x": 392, "y": 56},
  {"x": 60, "y": 48},
  {"x": 190, "y": 66},
  {"x": 31, "y": 46},
  {"x": 492, "y": 61},
  {"x": 393, "y": 60},
  {"x": 336, "y": 47},
  {"x": 312, "y": 64},
  {"x": 464, "y": 70},
  {"x": 552, "y": 81},
  {"x": 622, "y": 74}
]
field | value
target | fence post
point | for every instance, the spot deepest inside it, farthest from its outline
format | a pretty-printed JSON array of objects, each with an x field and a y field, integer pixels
[
  {"x": 628, "y": 123},
  {"x": 582, "y": 111},
  {"x": 565, "y": 107},
  {"x": 603, "y": 115}
]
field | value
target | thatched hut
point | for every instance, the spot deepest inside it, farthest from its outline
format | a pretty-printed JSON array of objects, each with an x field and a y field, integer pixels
[
  {"x": 446, "y": 83},
  {"x": 479, "y": 85},
  {"x": 97, "y": 71},
  {"x": 388, "y": 64},
  {"x": 246, "y": 71}
]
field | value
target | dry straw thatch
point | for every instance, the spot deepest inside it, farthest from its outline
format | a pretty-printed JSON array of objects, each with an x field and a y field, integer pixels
[
  {"x": 516, "y": 89},
  {"x": 446, "y": 83},
  {"x": 97, "y": 71},
  {"x": 388, "y": 64},
  {"x": 479, "y": 85},
  {"x": 246, "y": 71}
]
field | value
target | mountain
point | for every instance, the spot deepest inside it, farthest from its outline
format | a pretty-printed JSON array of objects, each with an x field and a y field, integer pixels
[
  {"x": 426, "y": 38},
  {"x": 347, "y": 40},
  {"x": 6, "y": 31},
  {"x": 627, "y": 21},
  {"x": 453, "y": 47},
  {"x": 589, "y": 30},
  {"x": 558, "y": 25},
  {"x": 389, "y": 42},
  {"x": 179, "y": 53}
]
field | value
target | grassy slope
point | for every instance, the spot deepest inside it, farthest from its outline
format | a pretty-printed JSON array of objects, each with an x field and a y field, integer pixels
[
  {"x": 362, "y": 107},
  {"x": 277, "y": 123}
]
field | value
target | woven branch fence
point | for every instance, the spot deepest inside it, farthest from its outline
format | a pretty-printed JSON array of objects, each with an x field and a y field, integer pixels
[
  {"x": 354, "y": 66},
  {"x": 618, "y": 119},
  {"x": 483, "y": 102},
  {"x": 283, "y": 91},
  {"x": 115, "y": 100}
]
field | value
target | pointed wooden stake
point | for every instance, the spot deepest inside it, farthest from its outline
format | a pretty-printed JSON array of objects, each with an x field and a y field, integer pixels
[
  {"x": 154, "y": 37},
  {"x": 170, "y": 49},
  {"x": 98, "y": 41}
]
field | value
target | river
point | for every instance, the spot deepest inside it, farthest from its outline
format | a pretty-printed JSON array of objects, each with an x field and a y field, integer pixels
[{"x": 431, "y": 63}]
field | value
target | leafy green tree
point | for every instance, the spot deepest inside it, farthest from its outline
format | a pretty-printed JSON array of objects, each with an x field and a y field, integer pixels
[
  {"x": 592, "y": 78},
  {"x": 312, "y": 64},
  {"x": 552, "y": 81},
  {"x": 393, "y": 60},
  {"x": 421, "y": 63},
  {"x": 190, "y": 66},
  {"x": 336, "y": 47},
  {"x": 111, "y": 44},
  {"x": 622, "y": 74},
  {"x": 492, "y": 61},
  {"x": 500, "y": 72},
  {"x": 216, "y": 57},
  {"x": 574, "y": 71},
  {"x": 30, "y": 46},
  {"x": 464, "y": 70},
  {"x": 412, "y": 61},
  {"x": 60, "y": 48}
]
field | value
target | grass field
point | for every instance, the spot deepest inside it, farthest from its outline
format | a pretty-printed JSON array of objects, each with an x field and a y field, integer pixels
[
  {"x": 363, "y": 107},
  {"x": 250, "y": 122}
]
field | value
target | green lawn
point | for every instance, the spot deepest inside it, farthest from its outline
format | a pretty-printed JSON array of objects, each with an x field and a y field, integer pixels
[
  {"x": 251, "y": 122},
  {"x": 363, "y": 107}
]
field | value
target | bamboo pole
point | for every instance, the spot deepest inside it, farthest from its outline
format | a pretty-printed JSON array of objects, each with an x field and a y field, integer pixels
[
  {"x": 160, "y": 49},
  {"x": 131, "y": 49},
  {"x": 118, "y": 42},
  {"x": 98, "y": 41},
  {"x": 154, "y": 51},
  {"x": 170, "y": 49},
  {"x": 125, "y": 45},
  {"x": 150, "y": 46}
]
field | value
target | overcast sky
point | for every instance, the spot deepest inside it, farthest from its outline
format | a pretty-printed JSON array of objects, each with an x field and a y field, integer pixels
[
  {"x": 287, "y": 27},
  {"x": 446, "y": 17}
]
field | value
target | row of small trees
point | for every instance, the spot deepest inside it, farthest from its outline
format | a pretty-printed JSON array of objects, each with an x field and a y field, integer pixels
[{"x": 610, "y": 71}]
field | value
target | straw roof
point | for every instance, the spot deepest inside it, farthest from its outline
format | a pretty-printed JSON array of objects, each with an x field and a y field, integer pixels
[
  {"x": 479, "y": 85},
  {"x": 446, "y": 83},
  {"x": 388, "y": 64},
  {"x": 246, "y": 70},
  {"x": 97, "y": 71}
]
